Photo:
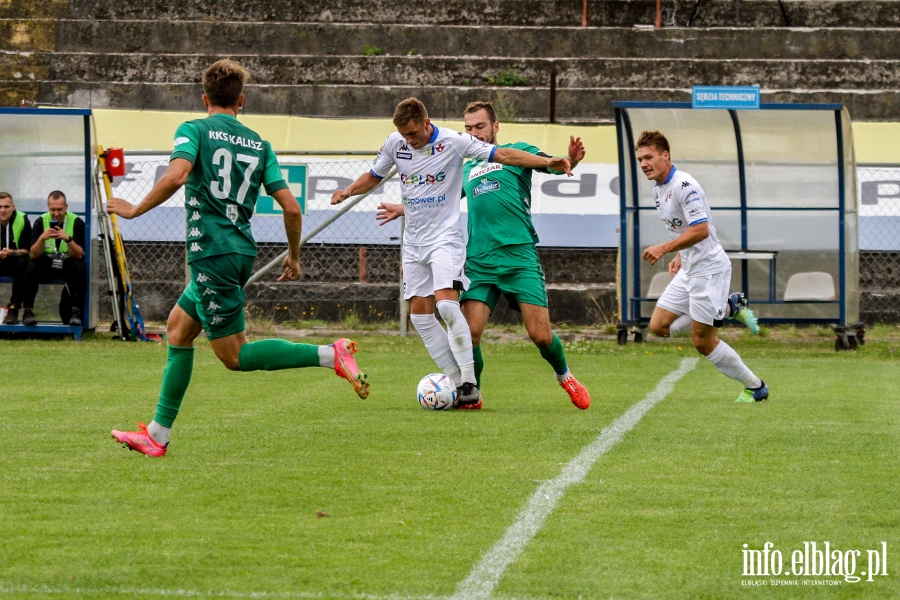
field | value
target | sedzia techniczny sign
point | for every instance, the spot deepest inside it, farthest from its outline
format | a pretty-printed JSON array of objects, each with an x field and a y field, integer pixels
[
  {"x": 725, "y": 97},
  {"x": 812, "y": 564}
]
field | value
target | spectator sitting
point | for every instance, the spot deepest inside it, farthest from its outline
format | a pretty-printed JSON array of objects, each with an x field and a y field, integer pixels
[
  {"x": 15, "y": 240},
  {"x": 57, "y": 252}
]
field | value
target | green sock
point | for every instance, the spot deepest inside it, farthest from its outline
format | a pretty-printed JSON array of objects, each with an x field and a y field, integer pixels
[
  {"x": 176, "y": 378},
  {"x": 274, "y": 355},
  {"x": 479, "y": 364},
  {"x": 555, "y": 355}
]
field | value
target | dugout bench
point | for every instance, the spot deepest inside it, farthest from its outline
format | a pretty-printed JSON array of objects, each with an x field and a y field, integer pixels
[
  {"x": 46, "y": 149},
  {"x": 48, "y": 327},
  {"x": 781, "y": 182}
]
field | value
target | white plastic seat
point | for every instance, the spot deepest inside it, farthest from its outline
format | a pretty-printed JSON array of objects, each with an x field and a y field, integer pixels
[
  {"x": 658, "y": 285},
  {"x": 814, "y": 286}
]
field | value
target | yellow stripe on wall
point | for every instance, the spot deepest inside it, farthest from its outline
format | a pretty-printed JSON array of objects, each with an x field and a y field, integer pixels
[{"x": 154, "y": 130}]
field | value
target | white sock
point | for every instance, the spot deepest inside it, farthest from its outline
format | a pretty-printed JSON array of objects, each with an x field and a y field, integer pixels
[
  {"x": 436, "y": 342},
  {"x": 455, "y": 377},
  {"x": 564, "y": 376},
  {"x": 680, "y": 326},
  {"x": 326, "y": 356},
  {"x": 459, "y": 337},
  {"x": 729, "y": 363},
  {"x": 159, "y": 433}
]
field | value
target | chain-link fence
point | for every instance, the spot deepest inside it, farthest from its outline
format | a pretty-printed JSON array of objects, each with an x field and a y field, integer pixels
[
  {"x": 352, "y": 267},
  {"x": 879, "y": 243}
]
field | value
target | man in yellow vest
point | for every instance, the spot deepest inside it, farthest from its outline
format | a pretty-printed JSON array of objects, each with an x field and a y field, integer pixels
[
  {"x": 15, "y": 240},
  {"x": 57, "y": 253}
]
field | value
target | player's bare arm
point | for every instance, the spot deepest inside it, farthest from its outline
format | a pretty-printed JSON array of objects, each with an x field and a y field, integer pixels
[
  {"x": 520, "y": 158},
  {"x": 174, "y": 177},
  {"x": 293, "y": 226},
  {"x": 387, "y": 212},
  {"x": 365, "y": 183},
  {"x": 692, "y": 235}
]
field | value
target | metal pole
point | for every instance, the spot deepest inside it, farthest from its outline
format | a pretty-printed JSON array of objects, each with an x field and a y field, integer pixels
[
  {"x": 107, "y": 257},
  {"x": 553, "y": 95},
  {"x": 404, "y": 307},
  {"x": 584, "y": 13},
  {"x": 347, "y": 206}
]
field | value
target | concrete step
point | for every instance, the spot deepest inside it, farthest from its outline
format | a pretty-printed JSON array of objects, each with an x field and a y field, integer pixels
[
  {"x": 573, "y": 105},
  {"x": 28, "y": 34},
  {"x": 324, "y": 39},
  {"x": 34, "y": 9},
  {"x": 668, "y": 73},
  {"x": 750, "y": 13}
]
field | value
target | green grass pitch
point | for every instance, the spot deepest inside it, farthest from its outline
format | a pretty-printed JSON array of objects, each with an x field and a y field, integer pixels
[{"x": 285, "y": 485}]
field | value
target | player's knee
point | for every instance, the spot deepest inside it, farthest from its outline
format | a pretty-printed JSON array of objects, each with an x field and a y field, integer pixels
[
  {"x": 422, "y": 322},
  {"x": 659, "y": 329},
  {"x": 450, "y": 312},
  {"x": 176, "y": 336},
  {"x": 232, "y": 363},
  {"x": 703, "y": 344},
  {"x": 541, "y": 339}
]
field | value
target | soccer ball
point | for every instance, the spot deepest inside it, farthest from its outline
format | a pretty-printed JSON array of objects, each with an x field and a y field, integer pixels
[{"x": 436, "y": 392}]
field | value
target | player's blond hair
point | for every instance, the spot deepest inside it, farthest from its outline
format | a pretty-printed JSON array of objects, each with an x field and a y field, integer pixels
[
  {"x": 653, "y": 139},
  {"x": 223, "y": 82},
  {"x": 410, "y": 110},
  {"x": 472, "y": 107}
]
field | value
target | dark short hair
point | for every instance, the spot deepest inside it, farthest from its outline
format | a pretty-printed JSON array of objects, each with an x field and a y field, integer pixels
[
  {"x": 472, "y": 107},
  {"x": 6, "y": 195},
  {"x": 56, "y": 195},
  {"x": 410, "y": 109},
  {"x": 223, "y": 82},
  {"x": 654, "y": 139}
]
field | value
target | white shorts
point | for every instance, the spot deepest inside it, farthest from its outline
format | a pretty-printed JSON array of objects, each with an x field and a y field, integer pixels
[
  {"x": 437, "y": 267},
  {"x": 704, "y": 298}
]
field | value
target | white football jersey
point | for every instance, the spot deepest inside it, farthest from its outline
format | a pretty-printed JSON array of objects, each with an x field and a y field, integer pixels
[
  {"x": 680, "y": 203},
  {"x": 431, "y": 181}
]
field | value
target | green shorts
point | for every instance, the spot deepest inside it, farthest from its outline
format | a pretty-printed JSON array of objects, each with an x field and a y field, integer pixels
[
  {"x": 215, "y": 296},
  {"x": 514, "y": 271}
]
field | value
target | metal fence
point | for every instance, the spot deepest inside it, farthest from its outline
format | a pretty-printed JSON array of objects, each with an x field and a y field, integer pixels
[
  {"x": 879, "y": 242},
  {"x": 352, "y": 267}
]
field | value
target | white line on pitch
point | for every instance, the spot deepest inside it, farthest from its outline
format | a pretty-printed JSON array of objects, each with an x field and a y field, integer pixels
[
  {"x": 106, "y": 592},
  {"x": 486, "y": 574}
]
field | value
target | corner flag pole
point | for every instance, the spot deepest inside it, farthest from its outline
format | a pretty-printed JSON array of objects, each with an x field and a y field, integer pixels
[
  {"x": 122, "y": 329},
  {"x": 350, "y": 204},
  {"x": 134, "y": 314}
]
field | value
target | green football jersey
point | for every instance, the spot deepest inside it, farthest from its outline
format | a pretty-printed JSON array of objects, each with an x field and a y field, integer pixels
[
  {"x": 499, "y": 203},
  {"x": 231, "y": 163}
]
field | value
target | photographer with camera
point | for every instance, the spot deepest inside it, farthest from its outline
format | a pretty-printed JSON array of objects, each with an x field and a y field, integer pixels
[{"x": 57, "y": 253}]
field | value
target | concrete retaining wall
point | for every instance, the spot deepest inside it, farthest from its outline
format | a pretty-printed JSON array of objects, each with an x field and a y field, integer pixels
[
  {"x": 584, "y": 105},
  {"x": 347, "y": 39},
  {"x": 752, "y": 13}
]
